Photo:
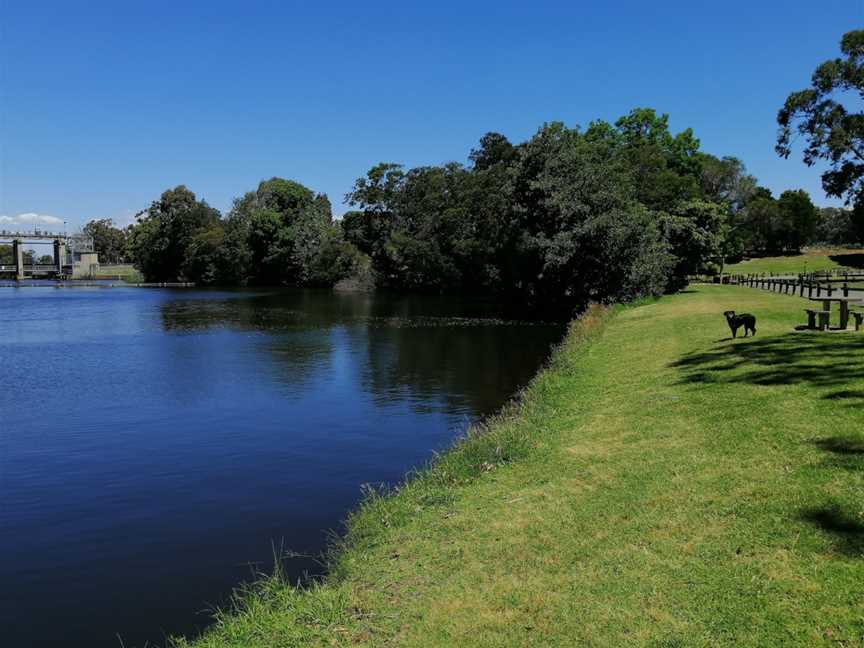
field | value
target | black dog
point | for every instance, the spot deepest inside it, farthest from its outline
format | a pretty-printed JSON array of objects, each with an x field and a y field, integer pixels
[{"x": 735, "y": 322}]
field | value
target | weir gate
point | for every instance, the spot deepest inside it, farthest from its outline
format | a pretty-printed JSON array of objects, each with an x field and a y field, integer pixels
[{"x": 63, "y": 258}]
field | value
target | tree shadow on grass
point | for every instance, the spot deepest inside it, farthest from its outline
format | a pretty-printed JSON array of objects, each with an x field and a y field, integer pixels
[
  {"x": 823, "y": 361},
  {"x": 842, "y": 445},
  {"x": 847, "y": 452},
  {"x": 845, "y": 529},
  {"x": 852, "y": 260},
  {"x": 847, "y": 533}
]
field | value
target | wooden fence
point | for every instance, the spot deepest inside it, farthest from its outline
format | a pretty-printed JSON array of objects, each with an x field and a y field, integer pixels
[{"x": 803, "y": 286}]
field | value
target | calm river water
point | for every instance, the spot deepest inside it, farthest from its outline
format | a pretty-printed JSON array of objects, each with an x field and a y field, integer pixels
[{"x": 155, "y": 445}]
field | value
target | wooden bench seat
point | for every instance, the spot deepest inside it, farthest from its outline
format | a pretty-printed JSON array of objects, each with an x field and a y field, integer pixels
[{"x": 822, "y": 315}]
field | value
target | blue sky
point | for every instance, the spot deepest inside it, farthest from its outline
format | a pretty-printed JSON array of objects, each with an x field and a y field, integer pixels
[{"x": 106, "y": 104}]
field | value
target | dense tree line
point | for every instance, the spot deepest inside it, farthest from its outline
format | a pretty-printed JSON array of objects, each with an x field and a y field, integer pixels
[
  {"x": 609, "y": 212},
  {"x": 280, "y": 234}
]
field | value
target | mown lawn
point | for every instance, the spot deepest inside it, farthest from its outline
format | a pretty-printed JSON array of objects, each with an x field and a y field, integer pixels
[
  {"x": 659, "y": 485},
  {"x": 811, "y": 260}
]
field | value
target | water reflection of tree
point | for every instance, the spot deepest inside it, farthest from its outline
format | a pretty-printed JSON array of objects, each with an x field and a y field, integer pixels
[
  {"x": 433, "y": 352},
  {"x": 454, "y": 365},
  {"x": 290, "y": 308},
  {"x": 277, "y": 310},
  {"x": 295, "y": 343}
]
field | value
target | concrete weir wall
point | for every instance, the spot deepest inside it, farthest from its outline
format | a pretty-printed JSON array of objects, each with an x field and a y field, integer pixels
[
  {"x": 18, "y": 258},
  {"x": 85, "y": 266},
  {"x": 85, "y": 262}
]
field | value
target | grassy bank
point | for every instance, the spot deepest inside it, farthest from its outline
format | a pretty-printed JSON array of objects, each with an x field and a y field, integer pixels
[
  {"x": 811, "y": 260},
  {"x": 658, "y": 485},
  {"x": 124, "y": 271}
]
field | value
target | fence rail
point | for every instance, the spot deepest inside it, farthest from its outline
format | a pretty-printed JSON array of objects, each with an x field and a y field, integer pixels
[{"x": 803, "y": 285}]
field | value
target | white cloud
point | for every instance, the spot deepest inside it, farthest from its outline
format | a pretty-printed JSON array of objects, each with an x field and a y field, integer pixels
[{"x": 31, "y": 219}]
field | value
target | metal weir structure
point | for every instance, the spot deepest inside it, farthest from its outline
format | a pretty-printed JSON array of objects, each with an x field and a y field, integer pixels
[{"x": 65, "y": 247}]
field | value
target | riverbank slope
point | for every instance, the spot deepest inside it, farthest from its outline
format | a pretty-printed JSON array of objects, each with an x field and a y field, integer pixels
[{"x": 658, "y": 485}]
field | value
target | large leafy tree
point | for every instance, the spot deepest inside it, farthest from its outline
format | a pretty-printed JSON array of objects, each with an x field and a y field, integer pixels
[
  {"x": 109, "y": 241},
  {"x": 725, "y": 180},
  {"x": 210, "y": 258},
  {"x": 665, "y": 168},
  {"x": 763, "y": 224},
  {"x": 828, "y": 116},
  {"x": 696, "y": 232},
  {"x": 285, "y": 232},
  {"x": 835, "y": 227},
  {"x": 371, "y": 227},
  {"x": 160, "y": 241},
  {"x": 799, "y": 217},
  {"x": 494, "y": 149}
]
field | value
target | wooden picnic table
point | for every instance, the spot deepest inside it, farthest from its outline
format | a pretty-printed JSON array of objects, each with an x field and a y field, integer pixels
[{"x": 844, "y": 306}]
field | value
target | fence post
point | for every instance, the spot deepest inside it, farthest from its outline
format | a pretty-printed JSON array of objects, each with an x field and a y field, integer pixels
[{"x": 845, "y": 289}]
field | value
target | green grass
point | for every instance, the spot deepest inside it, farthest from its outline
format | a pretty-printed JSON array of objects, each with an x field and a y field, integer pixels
[
  {"x": 658, "y": 485},
  {"x": 811, "y": 260},
  {"x": 125, "y": 271}
]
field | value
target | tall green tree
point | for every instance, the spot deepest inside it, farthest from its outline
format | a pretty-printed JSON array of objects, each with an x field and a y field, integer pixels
[
  {"x": 109, "y": 241},
  {"x": 835, "y": 227},
  {"x": 665, "y": 168},
  {"x": 494, "y": 149},
  {"x": 160, "y": 241},
  {"x": 287, "y": 230},
  {"x": 725, "y": 180},
  {"x": 696, "y": 232},
  {"x": 799, "y": 217},
  {"x": 763, "y": 225},
  {"x": 828, "y": 116}
]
